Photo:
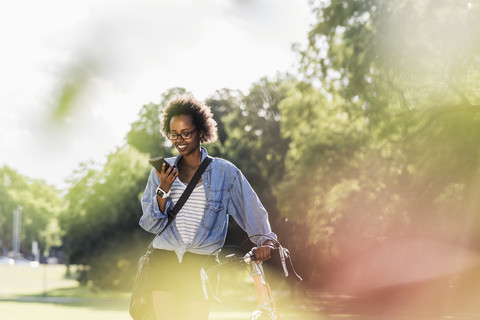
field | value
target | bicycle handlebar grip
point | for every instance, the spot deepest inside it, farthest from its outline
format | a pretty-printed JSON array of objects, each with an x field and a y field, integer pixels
[{"x": 251, "y": 255}]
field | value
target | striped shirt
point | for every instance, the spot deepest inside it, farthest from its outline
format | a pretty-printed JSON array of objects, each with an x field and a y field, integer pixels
[{"x": 189, "y": 217}]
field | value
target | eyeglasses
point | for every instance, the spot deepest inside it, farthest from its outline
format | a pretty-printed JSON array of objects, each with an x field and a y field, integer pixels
[{"x": 184, "y": 135}]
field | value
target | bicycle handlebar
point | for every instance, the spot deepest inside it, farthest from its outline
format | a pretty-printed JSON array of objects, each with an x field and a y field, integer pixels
[
  {"x": 283, "y": 252},
  {"x": 248, "y": 258}
]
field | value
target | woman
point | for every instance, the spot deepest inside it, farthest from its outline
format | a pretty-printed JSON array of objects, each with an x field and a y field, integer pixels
[{"x": 201, "y": 225}]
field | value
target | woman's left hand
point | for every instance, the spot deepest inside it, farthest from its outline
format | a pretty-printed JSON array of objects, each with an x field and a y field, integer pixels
[{"x": 264, "y": 252}]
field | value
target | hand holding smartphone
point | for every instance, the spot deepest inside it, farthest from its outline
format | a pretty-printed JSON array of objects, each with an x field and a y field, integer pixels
[{"x": 158, "y": 162}]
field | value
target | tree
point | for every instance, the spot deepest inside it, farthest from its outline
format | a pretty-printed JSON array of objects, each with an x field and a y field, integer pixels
[
  {"x": 411, "y": 68},
  {"x": 100, "y": 223},
  {"x": 254, "y": 141},
  {"x": 223, "y": 102},
  {"x": 39, "y": 204},
  {"x": 249, "y": 131},
  {"x": 384, "y": 132}
]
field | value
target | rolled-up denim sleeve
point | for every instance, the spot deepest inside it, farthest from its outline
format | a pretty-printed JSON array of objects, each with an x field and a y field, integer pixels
[
  {"x": 153, "y": 220},
  {"x": 247, "y": 210}
]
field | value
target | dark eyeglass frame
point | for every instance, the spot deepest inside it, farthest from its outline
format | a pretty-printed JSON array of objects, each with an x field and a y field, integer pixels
[{"x": 184, "y": 135}]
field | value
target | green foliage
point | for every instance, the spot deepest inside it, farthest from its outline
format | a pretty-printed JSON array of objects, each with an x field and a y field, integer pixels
[
  {"x": 385, "y": 133},
  {"x": 39, "y": 205},
  {"x": 254, "y": 142},
  {"x": 102, "y": 217},
  {"x": 73, "y": 87},
  {"x": 324, "y": 165},
  {"x": 223, "y": 102}
]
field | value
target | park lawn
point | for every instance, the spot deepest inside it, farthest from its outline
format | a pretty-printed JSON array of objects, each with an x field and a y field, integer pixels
[
  {"x": 104, "y": 310},
  {"x": 47, "y": 311},
  {"x": 23, "y": 279},
  {"x": 50, "y": 311},
  {"x": 46, "y": 293}
]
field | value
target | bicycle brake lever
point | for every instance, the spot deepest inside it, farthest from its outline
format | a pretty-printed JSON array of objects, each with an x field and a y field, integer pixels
[{"x": 282, "y": 251}]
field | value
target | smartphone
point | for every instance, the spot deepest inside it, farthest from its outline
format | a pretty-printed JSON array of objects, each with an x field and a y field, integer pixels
[{"x": 157, "y": 163}]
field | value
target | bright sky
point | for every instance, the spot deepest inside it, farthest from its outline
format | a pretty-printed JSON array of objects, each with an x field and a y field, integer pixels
[{"x": 140, "y": 48}]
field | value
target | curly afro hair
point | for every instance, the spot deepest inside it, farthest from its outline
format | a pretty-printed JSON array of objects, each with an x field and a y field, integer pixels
[{"x": 200, "y": 112}]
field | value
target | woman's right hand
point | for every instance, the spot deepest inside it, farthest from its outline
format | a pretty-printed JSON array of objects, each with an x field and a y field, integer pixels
[{"x": 167, "y": 177}]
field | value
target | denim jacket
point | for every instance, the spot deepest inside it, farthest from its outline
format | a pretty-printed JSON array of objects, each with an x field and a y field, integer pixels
[{"x": 227, "y": 192}]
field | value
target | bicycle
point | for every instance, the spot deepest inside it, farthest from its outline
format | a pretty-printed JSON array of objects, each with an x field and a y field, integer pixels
[{"x": 267, "y": 308}]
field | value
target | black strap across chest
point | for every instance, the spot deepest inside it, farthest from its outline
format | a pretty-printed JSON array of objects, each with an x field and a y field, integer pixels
[{"x": 188, "y": 191}]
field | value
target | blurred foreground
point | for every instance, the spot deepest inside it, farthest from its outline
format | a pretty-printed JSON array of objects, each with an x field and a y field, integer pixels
[
  {"x": 378, "y": 289},
  {"x": 44, "y": 292}
]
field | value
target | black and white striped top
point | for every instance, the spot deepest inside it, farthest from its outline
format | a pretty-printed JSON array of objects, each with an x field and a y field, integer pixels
[{"x": 189, "y": 217}]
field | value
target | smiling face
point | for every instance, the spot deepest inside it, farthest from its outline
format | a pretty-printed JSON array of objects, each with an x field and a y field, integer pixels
[{"x": 183, "y": 124}]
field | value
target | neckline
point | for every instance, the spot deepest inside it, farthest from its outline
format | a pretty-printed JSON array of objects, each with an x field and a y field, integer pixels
[{"x": 186, "y": 184}]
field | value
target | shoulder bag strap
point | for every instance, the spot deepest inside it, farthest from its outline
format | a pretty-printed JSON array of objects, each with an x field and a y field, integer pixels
[{"x": 188, "y": 190}]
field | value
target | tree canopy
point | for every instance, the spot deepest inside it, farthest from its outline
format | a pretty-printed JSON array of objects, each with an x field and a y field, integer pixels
[{"x": 390, "y": 106}]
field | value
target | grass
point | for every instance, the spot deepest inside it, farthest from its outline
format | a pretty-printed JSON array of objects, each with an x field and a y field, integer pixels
[
  {"x": 49, "y": 311},
  {"x": 45, "y": 293},
  {"x": 23, "y": 279}
]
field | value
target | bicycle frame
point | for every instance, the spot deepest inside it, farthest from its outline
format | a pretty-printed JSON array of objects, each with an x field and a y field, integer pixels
[{"x": 267, "y": 308}]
